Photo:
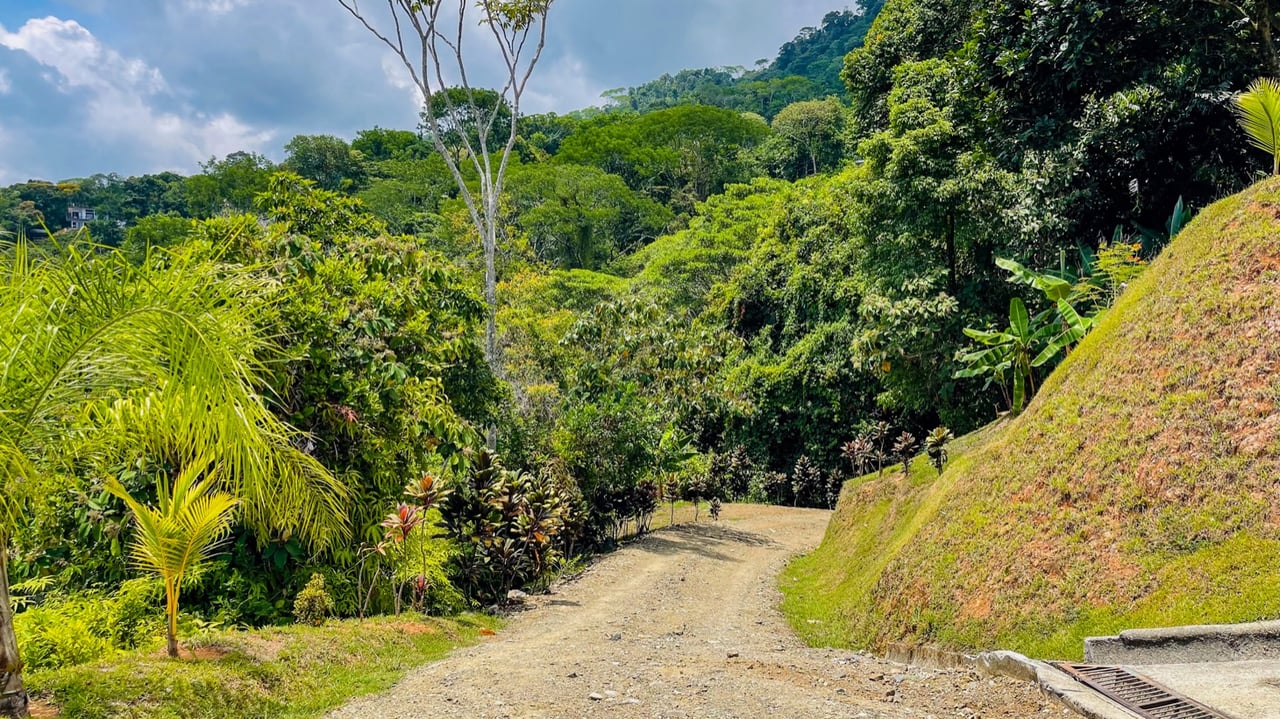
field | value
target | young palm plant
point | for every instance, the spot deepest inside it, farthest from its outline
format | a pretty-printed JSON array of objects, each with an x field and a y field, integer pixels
[
  {"x": 103, "y": 359},
  {"x": 174, "y": 539},
  {"x": 1258, "y": 110}
]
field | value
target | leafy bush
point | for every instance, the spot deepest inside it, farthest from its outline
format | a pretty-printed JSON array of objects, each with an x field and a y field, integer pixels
[
  {"x": 65, "y": 632},
  {"x": 768, "y": 488},
  {"x": 733, "y": 471},
  {"x": 135, "y": 616},
  {"x": 509, "y": 527},
  {"x": 313, "y": 605},
  {"x": 806, "y": 483}
]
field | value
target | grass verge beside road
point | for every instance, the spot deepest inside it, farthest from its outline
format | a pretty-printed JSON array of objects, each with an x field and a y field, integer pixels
[{"x": 277, "y": 672}]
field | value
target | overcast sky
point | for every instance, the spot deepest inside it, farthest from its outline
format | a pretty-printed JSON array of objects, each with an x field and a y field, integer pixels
[{"x": 136, "y": 86}]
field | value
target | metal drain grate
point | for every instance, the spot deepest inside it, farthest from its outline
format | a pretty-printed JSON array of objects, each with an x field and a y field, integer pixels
[{"x": 1139, "y": 694}]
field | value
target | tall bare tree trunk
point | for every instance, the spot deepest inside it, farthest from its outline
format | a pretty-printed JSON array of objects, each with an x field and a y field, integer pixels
[
  {"x": 429, "y": 43},
  {"x": 491, "y": 302},
  {"x": 13, "y": 697}
]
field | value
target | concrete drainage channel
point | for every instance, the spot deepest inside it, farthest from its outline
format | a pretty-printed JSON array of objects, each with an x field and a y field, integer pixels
[
  {"x": 1138, "y": 694},
  {"x": 1051, "y": 680},
  {"x": 1198, "y": 672}
]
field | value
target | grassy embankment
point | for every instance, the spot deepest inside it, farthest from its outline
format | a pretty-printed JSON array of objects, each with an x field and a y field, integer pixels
[
  {"x": 286, "y": 672},
  {"x": 1140, "y": 488}
]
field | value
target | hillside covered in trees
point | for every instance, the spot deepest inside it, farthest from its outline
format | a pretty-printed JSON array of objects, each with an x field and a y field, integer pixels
[{"x": 726, "y": 284}]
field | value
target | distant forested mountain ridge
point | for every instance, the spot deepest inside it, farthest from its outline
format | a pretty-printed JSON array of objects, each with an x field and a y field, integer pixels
[
  {"x": 818, "y": 53},
  {"x": 808, "y": 67}
]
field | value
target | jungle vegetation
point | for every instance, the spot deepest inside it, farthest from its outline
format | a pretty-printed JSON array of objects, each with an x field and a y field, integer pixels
[{"x": 724, "y": 284}]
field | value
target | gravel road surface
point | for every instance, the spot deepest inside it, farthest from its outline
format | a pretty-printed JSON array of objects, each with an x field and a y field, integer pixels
[{"x": 684, "y": 625}]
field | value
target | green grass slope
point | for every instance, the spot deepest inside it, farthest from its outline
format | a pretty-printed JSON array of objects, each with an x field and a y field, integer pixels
[
  {"x": 293, "y": 672},
  {"x": 1140, "y": 488}
]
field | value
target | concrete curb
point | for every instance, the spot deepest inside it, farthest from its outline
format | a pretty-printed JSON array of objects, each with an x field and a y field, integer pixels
[
  {"x": 1187, "y": 645},
  {"x": 1051, "y": 680}
]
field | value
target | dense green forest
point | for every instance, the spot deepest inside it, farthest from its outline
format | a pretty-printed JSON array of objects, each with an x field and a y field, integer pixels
[{"x": 724, "y": 284}]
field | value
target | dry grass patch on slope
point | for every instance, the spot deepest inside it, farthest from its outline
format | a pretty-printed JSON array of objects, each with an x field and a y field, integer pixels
[{"x": 1139, "y": 487}]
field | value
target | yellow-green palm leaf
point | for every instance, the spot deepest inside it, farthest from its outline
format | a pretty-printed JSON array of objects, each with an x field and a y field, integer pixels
[
  {"x": 102, "y": 358},
  {"x": 1259, "y": 114},
  {"x": 185, "y": 530}
]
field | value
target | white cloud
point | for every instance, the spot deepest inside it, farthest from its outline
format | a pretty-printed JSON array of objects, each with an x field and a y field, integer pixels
[
  {"x": 398, "y": 77},
  {"x": 69, "y": 48},
  {"x": 562, "y": 84},
  {"x": 215, "y": 7},
  {"x": 123, "y": 99}
]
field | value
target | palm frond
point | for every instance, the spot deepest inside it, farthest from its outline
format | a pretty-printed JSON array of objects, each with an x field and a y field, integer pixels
[
  {"x": 1258, "y": 110},
  {"x": 164, "y": 359}
]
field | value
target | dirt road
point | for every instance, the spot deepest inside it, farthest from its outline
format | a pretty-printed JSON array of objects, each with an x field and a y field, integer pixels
[{"x": 684, "y": 624}]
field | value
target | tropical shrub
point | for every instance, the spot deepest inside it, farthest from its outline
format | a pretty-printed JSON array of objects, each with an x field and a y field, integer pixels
[
  {"x": 65, "y": 632},
  {"x": 508, "y": 527},
  {"x": 769, "y": 487},
  {"x": 313, "y": 605},
  {"x": 134, "y": 617},
  {"x": 733, "y": 471},
  {"x": 119, "y": 363},
  {"x": 935, "y": 445},
  {"x": 807, "y": 486},
  {"x": 904, "y": 448},
  {"x": 835, "y": 483}
]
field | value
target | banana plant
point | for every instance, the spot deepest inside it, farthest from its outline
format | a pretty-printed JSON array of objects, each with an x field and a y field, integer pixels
[
  {"x": 1016, "y": 350},
  {"x": 174, "y": 539},
  {"x": 1071, "y": 324}
]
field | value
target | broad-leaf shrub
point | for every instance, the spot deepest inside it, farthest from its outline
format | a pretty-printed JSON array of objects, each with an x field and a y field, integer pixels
[
  {"x": 508, "y": 526},
  {"x": 313, "y": 604}
]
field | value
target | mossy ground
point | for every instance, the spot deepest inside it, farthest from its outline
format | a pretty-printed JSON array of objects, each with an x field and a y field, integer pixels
[
  {"x": 1138, "y": 489},
  {"x": 288, "y": 673}
]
